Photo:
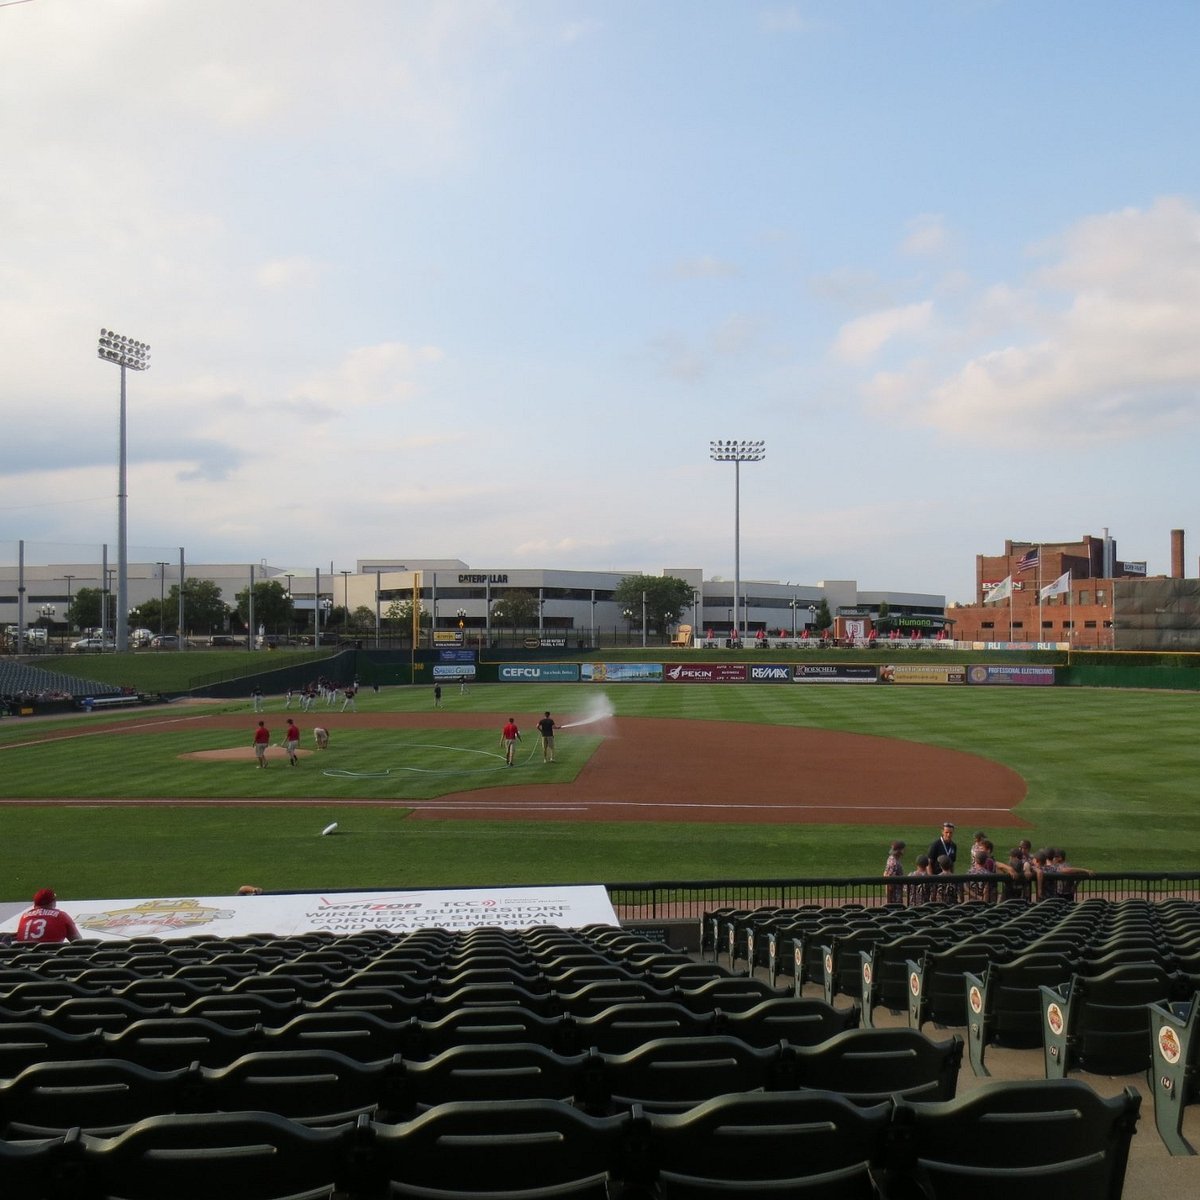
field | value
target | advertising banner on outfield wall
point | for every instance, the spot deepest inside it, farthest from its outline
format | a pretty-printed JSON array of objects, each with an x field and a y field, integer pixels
[
  {"x": 538, "y": 673},
  {"x": 835, "y": 673},
  {"x": 453, "y": 671},
  {"x": 506, "y": 907},
  {"x": 904, "y": 673},
  {"x": 1021, "y": 676},
  {"x": 704, "y": 673},
  {"x": 631, "y": 672}
]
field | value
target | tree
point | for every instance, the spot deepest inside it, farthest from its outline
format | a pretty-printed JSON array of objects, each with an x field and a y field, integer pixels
[
  {"x": 401, "y": 612},
  {"x": 362, "y": 618},
  {"x": 85, "y": 608},
  {"x": 885, "y": 611},
  {"x": 203, "y": 609},
  {"x": 823, "y": 619},
  {"x": 517, "y": 609},
  {"x": 273, "y": 606},
  {"x": 667, "y": 596}
]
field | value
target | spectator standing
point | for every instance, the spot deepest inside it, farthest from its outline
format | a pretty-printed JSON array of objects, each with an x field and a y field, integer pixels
[
  {"x": 45, "y": 921},
  {"x": 943, "y": 847},
  {"x": 919, "y": 893},
  {"x": 893, "y": 869},
  {"x": 946, "y": 890}
]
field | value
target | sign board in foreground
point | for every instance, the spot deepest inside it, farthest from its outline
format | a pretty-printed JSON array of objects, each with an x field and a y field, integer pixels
[{"x": 334, "y": 912}]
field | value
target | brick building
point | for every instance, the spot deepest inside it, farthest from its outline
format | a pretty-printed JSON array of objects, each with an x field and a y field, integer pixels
[{"x": 1079, "y": 594}]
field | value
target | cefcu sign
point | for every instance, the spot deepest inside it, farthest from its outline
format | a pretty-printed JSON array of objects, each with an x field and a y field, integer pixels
[{"x": 539, "y": 673}]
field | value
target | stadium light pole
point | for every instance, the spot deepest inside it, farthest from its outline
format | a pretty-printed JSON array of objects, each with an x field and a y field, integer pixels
[
  {"x": 737, "y": 452},
  {"x": 67, "y": 614},
  {"x": 129, "y": 355}
]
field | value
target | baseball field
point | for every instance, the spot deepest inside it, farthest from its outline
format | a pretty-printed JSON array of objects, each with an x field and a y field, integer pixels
[{"x": 649, "y": 782}]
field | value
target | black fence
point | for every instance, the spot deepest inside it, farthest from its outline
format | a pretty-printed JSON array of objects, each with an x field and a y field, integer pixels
[{"x": 677, "y": 901}]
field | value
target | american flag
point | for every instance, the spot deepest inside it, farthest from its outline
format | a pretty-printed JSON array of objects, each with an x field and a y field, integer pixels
[{"x": 1028, "y": 560}]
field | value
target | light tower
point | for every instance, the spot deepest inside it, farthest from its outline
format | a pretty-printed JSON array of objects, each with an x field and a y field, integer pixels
[
  {"x": 129, "y": 355},
  {"x": 737, "y": 452}
]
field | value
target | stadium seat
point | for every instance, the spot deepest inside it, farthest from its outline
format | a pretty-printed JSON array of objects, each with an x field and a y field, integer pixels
[
  {"x": 250, "y": 1156},
  {"x": 670, "y": 1075},
  {"x": 517, "y": 1071},
  {"x": 1101, "y": 1023},
  {"x": 539, "y": 1148},
  {"x": 101, "y": 1096},
  {"x": 1052, "y": 1136},
  {"x": 812, "y": 1145},
  {"x": 313, "y": 1087},
  {"x": 1174, "y": 1074},
  {"x": 870, "y": 1065},
  {"x": 799, "y": 1020},
  {"x": 1004, "y": 1007}
]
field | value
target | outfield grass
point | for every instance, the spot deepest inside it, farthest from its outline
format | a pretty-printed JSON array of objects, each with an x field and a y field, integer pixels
[{"x": 1109, "y": 776}]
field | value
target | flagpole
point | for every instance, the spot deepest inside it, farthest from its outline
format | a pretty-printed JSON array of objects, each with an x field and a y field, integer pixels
[{"x": 1039, "y": 588}]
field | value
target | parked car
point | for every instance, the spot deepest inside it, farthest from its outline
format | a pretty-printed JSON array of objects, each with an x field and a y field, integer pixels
[
  {"x": 140, "y": 637},
  {"x": 224, "y": 639},
  {"x": 93, "y": 643},
  {"x": 165, "y": 641}
]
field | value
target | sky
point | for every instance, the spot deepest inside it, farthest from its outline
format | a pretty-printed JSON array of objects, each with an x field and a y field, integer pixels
[{"x": 482, "y": 279}]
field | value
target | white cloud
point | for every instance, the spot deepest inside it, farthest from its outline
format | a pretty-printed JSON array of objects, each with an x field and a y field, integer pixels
[
  {"x": 1098, "y": 342},
  {"x": 295, "y": 272},
  {"x": 372, "y": 376},
  {"x": 706, "y": 266},
  {"x": 927, "y": 236},
  {"x": 864, "y": 337}
]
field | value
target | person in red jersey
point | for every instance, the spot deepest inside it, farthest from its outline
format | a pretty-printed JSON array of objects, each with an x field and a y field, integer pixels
[
  {"x": 509, "y": 739},
  {"x": 45, "y": 921},
  {"x": 262, "y": 740}
]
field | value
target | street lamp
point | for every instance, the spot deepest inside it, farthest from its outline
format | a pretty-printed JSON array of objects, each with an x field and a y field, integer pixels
[
  {"x": 162, "y": 593},
  {"x": 794, "y": 604},
  {"x": 737, "y": 452},
  {"x": 462, "y": 620},
  {"x": 67, "y": 614},
  {"x": 129, "y": 355},
  {"x": 627, "y": 613},
  {"x": 812, "y": 614},
  {"x": 346, "y": 593}
]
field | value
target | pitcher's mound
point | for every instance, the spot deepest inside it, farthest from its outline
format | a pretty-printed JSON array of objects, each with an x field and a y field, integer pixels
[{"x": 242, "y": 754}]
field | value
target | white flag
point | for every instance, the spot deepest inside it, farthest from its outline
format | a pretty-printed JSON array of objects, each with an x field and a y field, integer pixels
[
  {"x": 1001, "y": 591},
  {"x": 1057, "y": 588}
]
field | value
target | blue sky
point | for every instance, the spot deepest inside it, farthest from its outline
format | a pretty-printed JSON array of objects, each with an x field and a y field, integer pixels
[{"x": 483, "y": 279}]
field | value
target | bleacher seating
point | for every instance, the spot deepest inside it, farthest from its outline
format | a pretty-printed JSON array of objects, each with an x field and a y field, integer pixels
[{"x": 362, "y": 1054}]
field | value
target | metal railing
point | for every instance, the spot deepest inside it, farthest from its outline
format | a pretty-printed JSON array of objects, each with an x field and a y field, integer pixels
[{"x": 688, "y": 900}]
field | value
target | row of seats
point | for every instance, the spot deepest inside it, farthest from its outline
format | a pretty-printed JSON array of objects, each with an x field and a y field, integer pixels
[
  {"x": 167, "y": 1043},
  {"x": 814, "y": 1145},
  {"x": 262, "y": 1002},
  {"x": 105, "y": 1096}
]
